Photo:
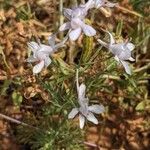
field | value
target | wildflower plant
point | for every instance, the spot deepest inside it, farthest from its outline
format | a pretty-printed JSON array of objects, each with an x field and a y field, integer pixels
[{"x": 60, "y": 85}]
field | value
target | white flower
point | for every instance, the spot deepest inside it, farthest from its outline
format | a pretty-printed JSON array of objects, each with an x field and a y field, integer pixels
[
  {"x": 41, "y": 53},
  {"x": 85, "y": 111},
  {"x": 122, "y": 51},
  {"x": 76, "y": 23},
  {"x": 98, "y": 3}
]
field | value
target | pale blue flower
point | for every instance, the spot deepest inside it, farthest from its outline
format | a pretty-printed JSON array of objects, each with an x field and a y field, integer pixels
[
  {"x": 122, "y": 51},
  {"x": 41, "y": 53},
  {"x": 76, "y": 24},
  {"x": 85, "y": 111}
]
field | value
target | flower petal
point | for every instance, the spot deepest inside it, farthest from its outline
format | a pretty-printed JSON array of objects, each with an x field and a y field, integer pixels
[
  {"x": 47, "y": 61},
  {"x": 81, "y": 121},
  {"x": 51, "y": 40},
  {"x": 126, "y": 66},
  {"x": 73, "y": 113},
  {"x": 92, "y": 118},
  {"x": 65, "y": 26},
  {"x": 76, "y": 23},
  {"x": 88, "y": 30},
  {"x": 81, "y": 91},
  {"x": 117, "y": 49},
  {"x": 67, "y": 13},
  {"x": 131, "y": 59},
  {"x": 124, "y": 54},
  {"x": 45, "y": 49},
  {"x": 37, "y": 68},
  {"x": 130, "y": 46},
  {"x": 96, "y": 109},
  {"x": 33, "y": 46},
  {"x": 74, "y": 34}
]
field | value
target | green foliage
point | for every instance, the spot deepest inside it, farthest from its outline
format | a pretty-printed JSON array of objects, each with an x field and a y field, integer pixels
[
  {"x": 4, "y": 87},
  {"x": 141, "y": 5},
  {"x": 17, "y": 98},
  {"x": 142, "y": 35},
  {"x": 55, "y": 132},
  {"x": 143, "y": 105},
  {"x": 87, "y": 49},
  {"x": 6, "y": 4},
  {"x": 88, "y": 46},
  {"x": 59, "y": 137},
  {"x": 24, "y": 12},
  {"x": 63, "y": 67}
]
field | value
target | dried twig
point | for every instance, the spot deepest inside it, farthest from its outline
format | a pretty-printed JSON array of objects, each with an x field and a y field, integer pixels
[
  {"x": 129, "y": 11},
  {"x": 91, "y": 145},
  {"x": 17, "y": 121}
]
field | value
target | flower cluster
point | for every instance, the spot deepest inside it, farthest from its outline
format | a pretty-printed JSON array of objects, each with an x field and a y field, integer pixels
[{"x": 76, "y": 25}]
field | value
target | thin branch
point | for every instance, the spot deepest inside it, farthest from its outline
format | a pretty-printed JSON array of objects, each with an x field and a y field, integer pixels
[
  {"x": 129, "y": 11},
  {"x": 16, "y": 121},
  {"x": 110, "y": 77},
  {"x": 91, "y": 145},
  {"x": 142, "y": 68},
  {"x": 77, "y": 80},
  {"x": 4, "y": 57}
]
